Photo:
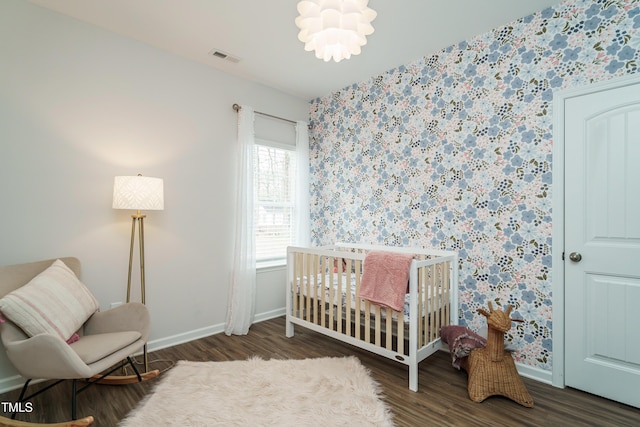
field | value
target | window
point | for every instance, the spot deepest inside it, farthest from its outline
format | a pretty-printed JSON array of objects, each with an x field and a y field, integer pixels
[{"x": 274, "y": 201}]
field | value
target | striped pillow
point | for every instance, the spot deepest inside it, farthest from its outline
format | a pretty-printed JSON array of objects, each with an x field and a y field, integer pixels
[{"x": 53, "y": 302}]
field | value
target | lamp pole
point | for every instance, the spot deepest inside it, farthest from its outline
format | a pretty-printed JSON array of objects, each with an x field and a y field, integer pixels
[{"x": 139, "y": 219}]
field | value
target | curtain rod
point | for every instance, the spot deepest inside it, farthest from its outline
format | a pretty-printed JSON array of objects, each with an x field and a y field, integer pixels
[{"x": 237, "y": 108}]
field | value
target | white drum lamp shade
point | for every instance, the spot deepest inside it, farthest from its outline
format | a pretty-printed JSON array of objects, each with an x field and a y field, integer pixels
[{"x": 138, "y": 192}]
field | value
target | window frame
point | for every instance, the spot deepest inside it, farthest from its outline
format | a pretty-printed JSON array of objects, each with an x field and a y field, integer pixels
[{"x": 270, "y": 263}]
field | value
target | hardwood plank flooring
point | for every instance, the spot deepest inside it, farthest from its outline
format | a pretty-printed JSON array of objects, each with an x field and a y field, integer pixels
[{"x": 442, "y": 398}]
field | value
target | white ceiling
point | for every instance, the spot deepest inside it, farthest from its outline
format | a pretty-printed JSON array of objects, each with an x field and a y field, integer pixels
[{"x": 262, "y": 33}]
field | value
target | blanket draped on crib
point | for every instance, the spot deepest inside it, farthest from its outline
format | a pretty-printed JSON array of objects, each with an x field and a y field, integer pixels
[{"x": 385, "y": 278}]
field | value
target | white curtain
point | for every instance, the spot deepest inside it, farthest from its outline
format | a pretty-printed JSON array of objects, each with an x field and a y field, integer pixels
[
  {"x": 303, "y": 220},
  {"x": 241, "y": 304}
]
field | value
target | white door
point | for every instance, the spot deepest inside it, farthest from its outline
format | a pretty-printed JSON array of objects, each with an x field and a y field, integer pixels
[{"x": 602, "y": 243}]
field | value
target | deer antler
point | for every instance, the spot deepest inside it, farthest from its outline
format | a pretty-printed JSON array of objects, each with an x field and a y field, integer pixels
[
  {"x": 507, "y": 312},
  {"x": 484, "y": 312}
]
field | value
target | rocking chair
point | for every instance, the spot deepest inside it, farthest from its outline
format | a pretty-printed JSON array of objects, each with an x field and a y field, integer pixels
[{"x": 104, "y": 342}]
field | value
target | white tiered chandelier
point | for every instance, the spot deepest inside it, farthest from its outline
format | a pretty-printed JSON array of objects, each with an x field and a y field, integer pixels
[{"x": 334, "y": 28}]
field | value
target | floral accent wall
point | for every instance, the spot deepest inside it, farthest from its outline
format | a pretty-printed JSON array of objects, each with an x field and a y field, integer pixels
[{"x": 454, "y": 151}]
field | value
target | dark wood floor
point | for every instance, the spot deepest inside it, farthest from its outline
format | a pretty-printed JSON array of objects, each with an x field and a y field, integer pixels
[{"x": 442, "y": 398}]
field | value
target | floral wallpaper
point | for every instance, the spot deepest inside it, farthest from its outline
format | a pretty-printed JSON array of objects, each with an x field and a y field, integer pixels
[{"x": 454, "y": 151}]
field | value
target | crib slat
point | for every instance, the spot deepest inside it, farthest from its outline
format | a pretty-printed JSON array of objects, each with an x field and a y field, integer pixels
[
  {"x": 323, "y": 275},
  {"x": 446, "y": 300},
  {"x": 303, "y": 284},
  {"x": 389, "y": 324},
  {"x": 332, "y": 292},
  {"x": 297, "y": 285},
  {"x": 348, "y": 297},
  {"x": 314, "y": 272},
  {"x": 400, "y": 327},
  {"x": 422, "y": 280},
  {"x": 435, "y": 306},
  {"x": 429, "y": 300},
  {"x": 306, "y": 273},
  {"x": 301, "y": 296},
  {"x": 367, "y": 321},
  {"x": 358, "y": 300},
  {"x": 377, "y": 327},
  {"x": 428, "y": 272},
  {"x": 338, "y": 300},
  {"x": 437, "y": 286}
]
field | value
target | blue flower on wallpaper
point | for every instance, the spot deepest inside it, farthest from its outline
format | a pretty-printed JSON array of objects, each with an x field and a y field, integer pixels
[
  {"x": 479, "y": 298},
  {"x": 528, "y": 296},
  {"x": 529, "y": 216},
  {"x": 614, "y": 66},
  {"x": 571, "y": 55},
  {"x": 559, "y": 42},
  {"x": 613, "y": 48},
  {"x": 593, "y": 10},
  {"x": 470, "y": 212},
  {"x": 627, "y": 53},
  {"x": 592, "y": 24},
  {"x": 610, "y": 12}
]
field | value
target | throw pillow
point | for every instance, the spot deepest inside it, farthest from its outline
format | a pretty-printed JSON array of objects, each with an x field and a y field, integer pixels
[
  {"x": 53, "y": 302},
  {"x": 461, "y": 341}
]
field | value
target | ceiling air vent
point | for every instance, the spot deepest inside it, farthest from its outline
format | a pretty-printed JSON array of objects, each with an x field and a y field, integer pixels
[{"x": 217, "y": 53}]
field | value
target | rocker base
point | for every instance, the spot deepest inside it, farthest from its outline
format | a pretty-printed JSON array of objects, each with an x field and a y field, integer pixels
[
  {"x": 124, "y": 379},
  {"x": 8, "y": 422}
]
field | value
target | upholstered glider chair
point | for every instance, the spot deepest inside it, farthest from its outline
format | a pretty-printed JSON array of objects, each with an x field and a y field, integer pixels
[{"x": 52, "y": 329}]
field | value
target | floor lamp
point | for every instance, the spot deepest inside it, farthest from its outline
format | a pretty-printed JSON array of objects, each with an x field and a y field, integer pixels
[{"x": 138, "y": 193}]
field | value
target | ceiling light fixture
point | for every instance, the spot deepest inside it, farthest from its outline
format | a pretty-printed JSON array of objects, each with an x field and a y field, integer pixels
[{"x": 334, "y": 28}]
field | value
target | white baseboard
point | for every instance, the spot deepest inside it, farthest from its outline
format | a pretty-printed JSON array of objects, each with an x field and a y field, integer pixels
[
  {"x": 205, "y": 332},
  {"x": 534, "y": 373},
  {"x": 13, "y": 382},
  {"x": 270, "y": 315},
  {"x": 184, "y": 337}
]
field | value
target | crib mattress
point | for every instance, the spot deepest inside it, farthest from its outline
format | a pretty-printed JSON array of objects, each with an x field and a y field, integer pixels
[{"x": 340, "y": 298}]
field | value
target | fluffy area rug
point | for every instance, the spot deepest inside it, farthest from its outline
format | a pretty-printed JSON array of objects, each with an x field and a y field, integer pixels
[{"x": 309, "y": 392}]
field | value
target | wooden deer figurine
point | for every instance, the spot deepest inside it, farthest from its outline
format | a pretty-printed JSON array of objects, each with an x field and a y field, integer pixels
[{"x": 492, "y": 370}]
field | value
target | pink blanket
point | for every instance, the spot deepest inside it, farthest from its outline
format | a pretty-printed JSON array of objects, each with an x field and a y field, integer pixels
[{"x": 385, "y": 278}]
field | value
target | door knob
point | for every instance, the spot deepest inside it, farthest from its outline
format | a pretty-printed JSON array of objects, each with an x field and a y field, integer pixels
[{"x": 575, "y": 256}]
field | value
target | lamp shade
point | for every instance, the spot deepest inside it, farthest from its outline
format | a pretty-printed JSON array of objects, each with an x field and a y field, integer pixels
[
  {"x": 138, "y": 192},
  {"x": 334, "y": 28}
]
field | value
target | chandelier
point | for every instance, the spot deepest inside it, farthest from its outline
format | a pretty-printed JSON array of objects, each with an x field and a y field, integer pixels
[{"x": 334, "y": 28}]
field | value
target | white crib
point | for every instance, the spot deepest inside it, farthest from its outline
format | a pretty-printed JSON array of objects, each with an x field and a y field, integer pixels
[{"x": 322, "y": 294}]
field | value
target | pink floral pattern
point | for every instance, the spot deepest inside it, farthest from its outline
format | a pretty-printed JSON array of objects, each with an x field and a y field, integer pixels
[{"x": 454, "y": 151}]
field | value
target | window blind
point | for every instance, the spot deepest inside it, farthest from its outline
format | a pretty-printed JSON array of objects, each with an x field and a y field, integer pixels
[{"x": 274, "y": 200}]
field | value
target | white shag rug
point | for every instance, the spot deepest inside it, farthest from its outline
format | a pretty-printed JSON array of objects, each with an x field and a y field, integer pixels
[{"x": 309, "y": 392}]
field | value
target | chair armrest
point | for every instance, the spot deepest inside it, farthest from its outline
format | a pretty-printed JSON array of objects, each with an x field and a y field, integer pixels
[
  {"x": 132, "y": 316},
  {"x": 46, "y": 356}
]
